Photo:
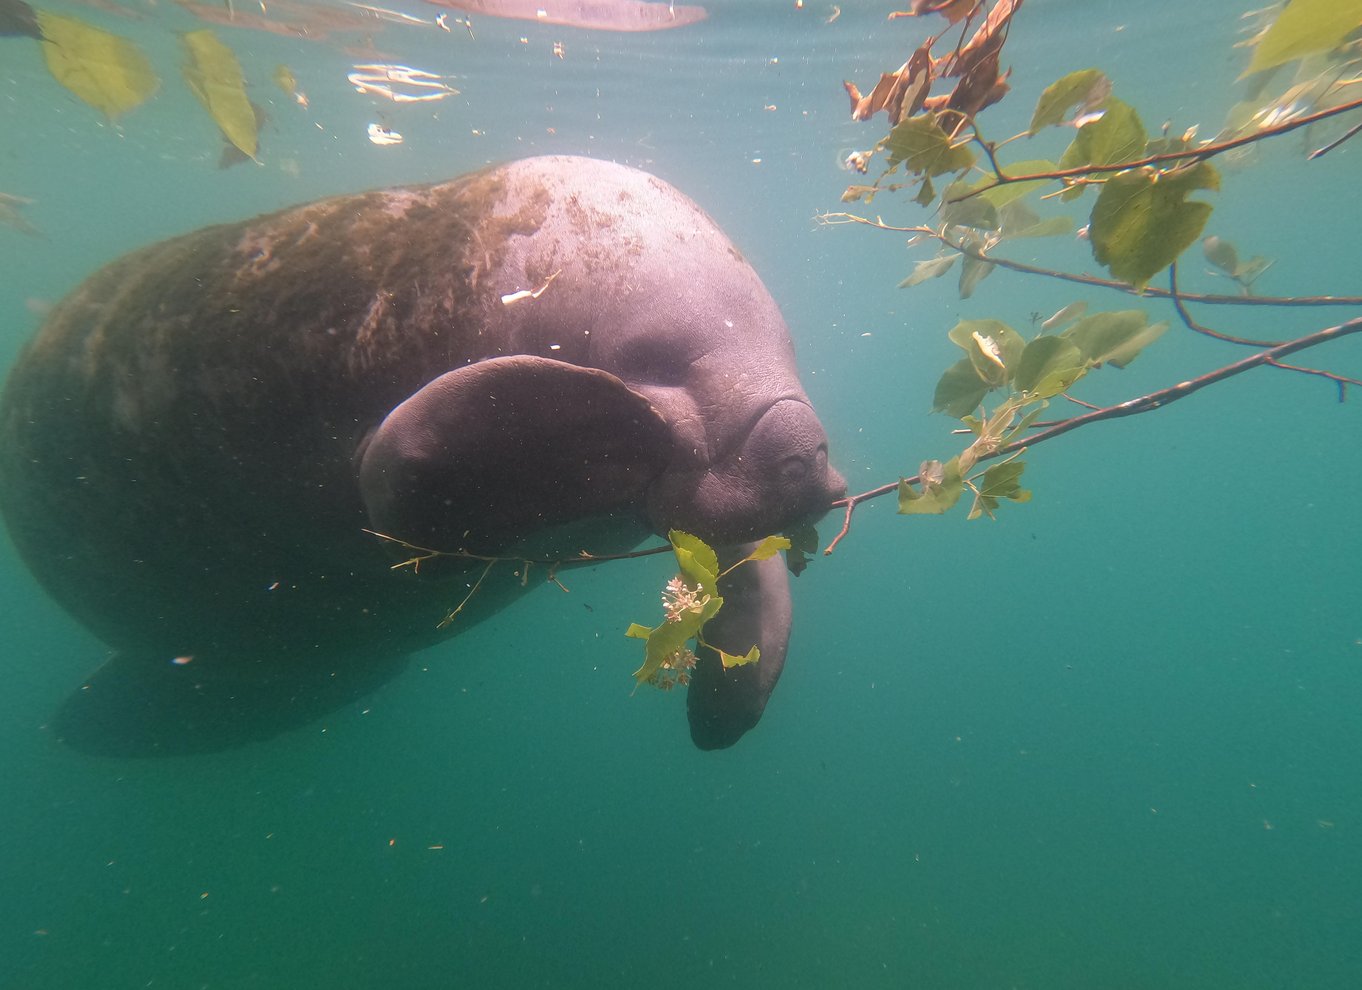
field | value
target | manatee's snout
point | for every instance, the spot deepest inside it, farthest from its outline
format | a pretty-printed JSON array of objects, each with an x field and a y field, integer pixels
[{"x": 777, "y": 478}]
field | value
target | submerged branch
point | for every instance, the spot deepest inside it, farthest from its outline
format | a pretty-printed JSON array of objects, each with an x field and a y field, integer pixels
[{"x": 1143, "y": 404}]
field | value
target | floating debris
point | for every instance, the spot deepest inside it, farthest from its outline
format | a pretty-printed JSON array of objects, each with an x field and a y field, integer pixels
[
  {"x": 515, "y": 297},
  {"x": 618, "y": 15},
  {"x": 383, "y": 136},
  {"x": 399, "y": 83},
  {"x": 10, "y": 215}
]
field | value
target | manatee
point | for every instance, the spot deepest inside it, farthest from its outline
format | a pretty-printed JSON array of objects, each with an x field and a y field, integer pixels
[{"x": 541, "y": 358}]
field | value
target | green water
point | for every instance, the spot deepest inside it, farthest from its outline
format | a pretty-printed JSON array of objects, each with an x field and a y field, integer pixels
[{"x": 1109, "y": 741}]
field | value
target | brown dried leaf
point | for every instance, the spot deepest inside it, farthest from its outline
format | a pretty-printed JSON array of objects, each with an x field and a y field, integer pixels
[{"x": 900, "y": 94}]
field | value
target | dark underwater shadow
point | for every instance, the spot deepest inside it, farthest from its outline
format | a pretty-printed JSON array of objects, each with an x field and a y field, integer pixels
[{"x": 137, "y": 706}]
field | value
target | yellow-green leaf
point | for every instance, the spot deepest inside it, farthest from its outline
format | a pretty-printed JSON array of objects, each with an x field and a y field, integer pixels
[
  {"x": 1143, "y": 219},
  {"x": 214, "y": 76},
  {"x": 1304, "y": 27},
  {"x": 637, "y": 631},
  {"x": 768, "y": 547},
  {"x": 1086, "y": 89},
  {"x": 697, "y": 560},
  {"x": 922, "y": 146},
  {"x": 108, "y": 72},
  {"x": 729, "y": 660}
]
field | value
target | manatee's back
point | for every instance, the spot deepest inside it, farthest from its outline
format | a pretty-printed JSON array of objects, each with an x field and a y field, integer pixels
[{"x": 176, "y": 444}]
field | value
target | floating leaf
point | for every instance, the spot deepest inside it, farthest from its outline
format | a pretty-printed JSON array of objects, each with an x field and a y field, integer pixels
[
  {"x": 1305, "y": 27},
  {"x": 108, "y": 72},
  {"x": 1068, "y": 314},
  {"x": 863, "y": 194},
  {"x": 1086, "y": 90},
  {"x": 959, "y": 391},
  {"x": 932, "y": 268},
  {"x": 1048, "y": 366},
  {"x": 214, "y": 76},
  {"x": 1143, "y": 220},
  {"x": 1221, "y": 253},
  {"x": 1001, "y": 481},
  {"x": 942, "y": 486},
  {"x": 1117, "y": 136},
  {"x": 922, "y": 146}
]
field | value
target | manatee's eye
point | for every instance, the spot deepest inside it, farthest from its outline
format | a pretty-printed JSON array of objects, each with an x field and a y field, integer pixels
[{"x": 794, "y": 469}]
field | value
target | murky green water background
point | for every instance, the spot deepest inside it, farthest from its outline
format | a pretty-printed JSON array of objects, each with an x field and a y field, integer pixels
[{"x": 1109, "y": 741}]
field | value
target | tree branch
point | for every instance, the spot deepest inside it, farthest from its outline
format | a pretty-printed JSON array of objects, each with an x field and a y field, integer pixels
[{"x": 1132, "y": 407}]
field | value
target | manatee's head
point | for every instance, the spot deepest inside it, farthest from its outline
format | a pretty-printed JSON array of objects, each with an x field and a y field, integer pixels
[
  {"x": 772, "y": 475},
  {"x": 638, "y": 282}
]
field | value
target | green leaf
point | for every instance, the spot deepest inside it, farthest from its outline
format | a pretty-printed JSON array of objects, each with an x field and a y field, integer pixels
[
  {"x": 698, "y": 562},
  {"x": 1143, "y": 220},
  {"x": 1305, "y": 27},
  {"x": 1001, "y": 481},
  {"x": 1131, "y": 349},
  {"x": 803, "y": 545},
  {"x": 926, "y": 193},
  {"x": 959, "y": 391},
  {"x": 1117, "y": 136},
  {"x": 992, "y": 348},
  {"x": 1001, "y": 195},
  {"x": 214, "y": 76},
  {"x": 1109, "y": 337},
  {"x": 977, "y": 212},
  {"x": 729, "y": 660},
  {"x": 922, "y": 146},
  {"x": 1086, "y": 89},
  {"x": 1019, "y": 220},
  {"x": 932, "y": 268},
  {"x": 1048, "y": 366},
  {"x": 1065, "y": 315},
  {"x": 768, "y": 548},
  {"x": 108, "y": 72},
  {"x": 942, "y": 486},
  {"x": 637, "y": 631},
  {"x": 973, "y": 271}
]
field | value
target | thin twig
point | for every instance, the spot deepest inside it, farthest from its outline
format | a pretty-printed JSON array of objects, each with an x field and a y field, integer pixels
[
  {"x": 1149, "y": 292},
  {"x": 1201, "y": 154}
]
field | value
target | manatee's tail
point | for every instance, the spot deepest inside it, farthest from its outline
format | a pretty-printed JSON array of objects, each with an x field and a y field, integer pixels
[{"x": 143, "y": 704}]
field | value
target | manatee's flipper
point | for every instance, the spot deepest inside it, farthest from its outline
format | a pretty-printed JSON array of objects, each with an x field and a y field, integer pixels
[
  {"x": 143, "y": 704},
  {"x": 723, "y": 704},
  {"x": 484, "y": 456}
]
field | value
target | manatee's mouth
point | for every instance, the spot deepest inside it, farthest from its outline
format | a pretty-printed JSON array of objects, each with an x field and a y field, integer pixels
[{"x": 775, "y": 479}]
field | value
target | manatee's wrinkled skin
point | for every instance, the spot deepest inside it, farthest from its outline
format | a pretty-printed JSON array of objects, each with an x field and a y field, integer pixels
[{"x": 193, "y": 445}]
